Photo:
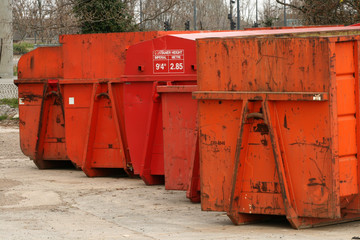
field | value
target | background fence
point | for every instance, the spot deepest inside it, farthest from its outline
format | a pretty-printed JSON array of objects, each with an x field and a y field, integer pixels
[{"x": 8, "y": 89}]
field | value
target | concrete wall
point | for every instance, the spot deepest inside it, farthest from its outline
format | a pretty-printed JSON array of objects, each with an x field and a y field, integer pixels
[{"x": 6, "y": 39}]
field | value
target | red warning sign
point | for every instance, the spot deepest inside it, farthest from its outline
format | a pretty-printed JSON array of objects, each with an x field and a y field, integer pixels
[{"x": 169, "y": 61}]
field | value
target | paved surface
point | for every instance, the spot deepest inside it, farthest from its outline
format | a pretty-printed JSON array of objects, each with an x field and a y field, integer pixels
[{"x": 64, "y": 204}]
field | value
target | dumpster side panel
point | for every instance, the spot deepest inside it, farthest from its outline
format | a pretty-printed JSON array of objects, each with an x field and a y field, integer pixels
[
  {"x": 99, "y": 55},
  {"x": 219, "y": 123},
  {"x": 306, "y": 136},
  {"x": 29, "y": 116},
  {"x": 348, "y": 170},
  {"x": 157, "y": 145},
  {"x": 54, "y": 144},
  {"x": 77, "y": 112},
  {"x": 107, "y": 145},
  {"x": 180, "y": 136},
  {"x": 233, "y": 65},
  {"x": 41, "y": 63},
  {"x": 346, "y": 105},
  {"x": 138, "y": 104},
  {"x": 260, "y": 191},
  {"x": 118, "y": 94}
]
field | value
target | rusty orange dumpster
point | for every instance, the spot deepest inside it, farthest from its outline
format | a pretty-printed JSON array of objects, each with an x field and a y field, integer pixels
[
  {"x": 279, "y": 133},
  {"x": 41, "y": 112}
]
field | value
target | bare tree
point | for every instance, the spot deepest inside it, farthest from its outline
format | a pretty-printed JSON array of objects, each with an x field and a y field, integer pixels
[
  {"x": 46, "y": 19},
  {"x": 319, "y": 12},
  {"x": 211, "y": 14},
  {"x": 270, "y": 14},
  {"x": 43, "y": 19}
]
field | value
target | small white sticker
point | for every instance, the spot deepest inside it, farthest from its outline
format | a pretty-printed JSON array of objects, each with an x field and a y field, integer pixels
[
  {"x": 317, "y": 97},
  {"x": 71, "y": 101},
  {"x": 21, "y": 101}
]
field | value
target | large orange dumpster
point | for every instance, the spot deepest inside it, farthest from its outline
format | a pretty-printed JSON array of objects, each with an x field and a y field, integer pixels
[
  {"x": 93, "y": 100},
  {"x": 41, "y": 112},
  {"x": 279, "y": 131}
]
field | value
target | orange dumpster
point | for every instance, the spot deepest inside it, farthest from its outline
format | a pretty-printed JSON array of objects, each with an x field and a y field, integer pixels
[
  {"x": 93, "y": 100},
  {"x": 41, "y": 112},
  {"x": 278, "y": 122}
]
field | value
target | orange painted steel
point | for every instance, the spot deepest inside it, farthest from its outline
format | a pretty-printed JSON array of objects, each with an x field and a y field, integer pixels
[
  {"x": 279, "y": 133},
  {"x": 181, "y": 155},
  {"x": 41, "y": 113}
]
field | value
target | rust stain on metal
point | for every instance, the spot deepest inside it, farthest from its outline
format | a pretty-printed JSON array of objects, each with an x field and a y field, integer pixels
[
  {"x": 32, "y": 62},
  {"x": 312, "y": 182},
  {"x": 30, "y": 97},
  {"x": 285, "y": 123},
  {"x": 21, "y": 122},
  {"x": 324, "y": 144},
  {"x": 264, "y": 142},
  {"x": 261, "y": 128},
  {"x": 265, "y": 187}
]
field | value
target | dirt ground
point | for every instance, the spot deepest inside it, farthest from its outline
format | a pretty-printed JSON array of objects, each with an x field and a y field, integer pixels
[{"x": 65, "y": 204}]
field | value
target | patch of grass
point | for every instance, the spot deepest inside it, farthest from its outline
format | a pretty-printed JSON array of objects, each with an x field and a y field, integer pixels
[
  {"x": 12, "y": 102},
  {"x": 22, "y": 48},
  {"x": 3, "y": 117}
]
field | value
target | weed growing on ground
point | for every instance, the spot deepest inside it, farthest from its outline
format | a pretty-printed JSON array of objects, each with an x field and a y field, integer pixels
[
  {"x": 3, "y": 117},
  {"x": 12, "y": 102},
  {"x": 22, "y": 48}
]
